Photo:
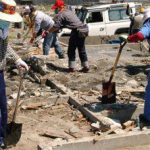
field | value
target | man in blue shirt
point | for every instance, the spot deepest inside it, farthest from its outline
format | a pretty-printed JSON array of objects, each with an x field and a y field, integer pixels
[{"x": 144, "y": 33}]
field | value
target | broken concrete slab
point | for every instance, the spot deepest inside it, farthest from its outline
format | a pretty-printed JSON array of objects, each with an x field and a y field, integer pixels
[
  {"x": 106, "y": 121},
  {"x": 61, "y": 88},
  {"x": 111, "y": 142}
]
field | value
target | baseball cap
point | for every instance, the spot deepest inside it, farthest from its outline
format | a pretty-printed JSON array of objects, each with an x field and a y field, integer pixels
[{"x": 58, "y": 4}]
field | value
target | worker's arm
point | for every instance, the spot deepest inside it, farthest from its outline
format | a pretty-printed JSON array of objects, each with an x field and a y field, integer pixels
[
  {"x": 33, "y": 36},
  {"x": 136, "y": 37},
  {"x": 132, "y": 38},
  {"x": 36, "y": 28},
  {"x": 144, "y": 33},
  {"x": 15, "y": 57},
  {"x": 58, "y": 24}
]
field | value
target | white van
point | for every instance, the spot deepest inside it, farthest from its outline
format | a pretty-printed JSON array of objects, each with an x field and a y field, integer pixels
[{"x": 106, "y": 19}]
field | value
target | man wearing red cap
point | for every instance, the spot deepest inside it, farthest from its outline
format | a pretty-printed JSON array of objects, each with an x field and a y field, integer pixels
[
  {"x": 58, "y": 3},
  {"x": 68, "y": 19}
]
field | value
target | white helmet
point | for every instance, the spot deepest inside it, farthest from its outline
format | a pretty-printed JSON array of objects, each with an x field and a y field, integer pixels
[{"x": 146, "y": 15}]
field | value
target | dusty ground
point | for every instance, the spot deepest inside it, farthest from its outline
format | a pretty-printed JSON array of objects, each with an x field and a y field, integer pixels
[
  {"x": 132, "y": 67},
  {"x": 130, "y": 76},
  {"x": 46, "y": 122},
  {"x": 56, "y": 120}
]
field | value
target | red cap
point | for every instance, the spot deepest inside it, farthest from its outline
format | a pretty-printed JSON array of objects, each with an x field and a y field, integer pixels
[{"x": 58, "y": 4}]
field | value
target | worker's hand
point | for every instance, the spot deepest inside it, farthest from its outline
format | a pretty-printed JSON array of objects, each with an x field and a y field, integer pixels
[
  {"x": 123, "y": 38},
  {"x": 44, "y": 34},
  {"x": 21, "y": 64},
  {"x": 31, "y": 40}
]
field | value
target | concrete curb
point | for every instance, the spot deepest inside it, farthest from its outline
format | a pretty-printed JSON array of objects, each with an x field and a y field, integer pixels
[{"x": 110, "y": 143}]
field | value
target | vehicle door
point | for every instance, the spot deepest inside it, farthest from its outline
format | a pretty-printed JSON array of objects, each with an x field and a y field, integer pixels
[
  {"x": 96, "y": 23},
  {"x": 118, "y": 21}
]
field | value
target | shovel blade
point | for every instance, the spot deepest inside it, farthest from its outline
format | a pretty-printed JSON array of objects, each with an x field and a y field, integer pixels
[
  {"x": 14, "y": 131},
  {"x": 108, "y": 92}
]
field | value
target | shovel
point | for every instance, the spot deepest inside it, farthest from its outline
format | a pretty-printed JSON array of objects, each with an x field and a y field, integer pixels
[
  {"x": 108, "y": 88},
  {"x": 14, "y": 129}
]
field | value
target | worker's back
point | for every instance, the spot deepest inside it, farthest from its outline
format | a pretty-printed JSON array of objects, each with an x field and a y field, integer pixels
[{"x": 137, "y": 22}]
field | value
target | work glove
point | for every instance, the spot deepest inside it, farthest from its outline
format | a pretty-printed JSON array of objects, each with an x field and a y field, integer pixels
[
  {"x": 44, "y": 34},
  {"x": 123, "y": 38},
  {"x": 21, "y": 64}
]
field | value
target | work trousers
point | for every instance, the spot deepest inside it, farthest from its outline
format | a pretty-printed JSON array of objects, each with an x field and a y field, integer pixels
[
  {"x": 76, "y": 41},
  {"x": 147, "y": 100},
  {"x": 51, "y": 41},
  {"x": 3, "y": 108}
]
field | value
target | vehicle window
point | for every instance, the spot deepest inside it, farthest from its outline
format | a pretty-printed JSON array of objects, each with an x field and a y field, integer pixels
[
  {"x": 119, "y": 14},
  {"x": 81, "y": 13},
  {"x": 95, "y": 17}
]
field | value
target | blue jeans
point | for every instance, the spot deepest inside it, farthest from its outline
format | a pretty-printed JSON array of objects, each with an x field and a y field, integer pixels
[
  {"x": 3, "y": 108},
  {"x": 51, "y": 41}
]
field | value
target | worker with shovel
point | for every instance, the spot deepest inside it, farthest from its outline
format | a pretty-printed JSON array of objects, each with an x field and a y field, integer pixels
[
  {"x": 43, "y": 22},
  {"x": 7, "y": 14},
  {"x": 136, "y": 19},
  {"x": 144, "y": 33},
  {"x": 68, "y": 19}
]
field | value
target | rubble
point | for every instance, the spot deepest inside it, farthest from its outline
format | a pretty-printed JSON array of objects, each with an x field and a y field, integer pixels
[{"x": 57, "y": 107}]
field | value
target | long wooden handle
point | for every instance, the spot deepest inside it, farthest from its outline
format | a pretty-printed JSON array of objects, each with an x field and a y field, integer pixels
[
  {"x": 116, "y": 61},
  {"x": 18, "y": 98}
]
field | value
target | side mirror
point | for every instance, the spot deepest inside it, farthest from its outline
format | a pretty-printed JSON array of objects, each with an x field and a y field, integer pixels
[{"x": 87, "y": 20}]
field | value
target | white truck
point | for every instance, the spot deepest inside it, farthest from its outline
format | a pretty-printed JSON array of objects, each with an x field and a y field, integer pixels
[{"x": 106, "y": 19}]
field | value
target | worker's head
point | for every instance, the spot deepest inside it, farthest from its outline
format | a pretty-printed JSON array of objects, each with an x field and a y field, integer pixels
[
  {"x": 146, "y": 16},
  {"x": 28, "y": 10},
  {"x": 8, "y": 13},
  {"x": 29, "y": 13},
  {"x": 141, "y": 9},
  {"x": 25, "y": 11},
  {"x": 58, "y": 6}
]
